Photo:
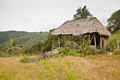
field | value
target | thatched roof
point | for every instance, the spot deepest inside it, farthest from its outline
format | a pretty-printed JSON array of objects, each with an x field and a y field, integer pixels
[{"x": 81, "y": 26}]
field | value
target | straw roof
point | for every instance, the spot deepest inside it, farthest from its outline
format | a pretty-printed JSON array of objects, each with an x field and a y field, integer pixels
[{"x": 81, "y": 26}]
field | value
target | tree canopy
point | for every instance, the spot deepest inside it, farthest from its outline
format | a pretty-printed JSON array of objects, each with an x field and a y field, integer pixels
[
  {"x": 82, "y": 13},
  {"x": 114, "y": 22}
]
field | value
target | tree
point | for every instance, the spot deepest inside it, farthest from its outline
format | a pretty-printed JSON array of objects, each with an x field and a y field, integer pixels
[
  {"x": 114, "y": 22},
  {"x": 82, "y": 13},
  {"x": 12, "y": 46}
]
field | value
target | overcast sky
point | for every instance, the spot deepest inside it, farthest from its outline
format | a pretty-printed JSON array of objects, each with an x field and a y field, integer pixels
[{"x": 43, "y": 15}]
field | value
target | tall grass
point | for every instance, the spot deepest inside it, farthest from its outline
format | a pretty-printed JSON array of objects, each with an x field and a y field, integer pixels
[{"x": 97, "y": 67}]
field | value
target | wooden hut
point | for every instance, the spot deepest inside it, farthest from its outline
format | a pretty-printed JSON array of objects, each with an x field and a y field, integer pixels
[{"x": 92, "y": 27}]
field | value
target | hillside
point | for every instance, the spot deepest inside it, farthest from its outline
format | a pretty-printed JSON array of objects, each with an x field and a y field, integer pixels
[
  {"x": 31, "y": 39},
  {"x": 97, "y": 67},
  {"x": 27, "y": 39},
  {"x": 7, "y": 35}
]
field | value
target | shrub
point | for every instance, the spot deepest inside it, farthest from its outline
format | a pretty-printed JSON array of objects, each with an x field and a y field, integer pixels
[
  {"x": 69, "y": 44},
  {"x": 72, "y": 52},
  {"x": 34, "y": 59},
  {"x": 2, "y": 54},
  {"x": 25, "y": 59},
  {"x": 87, "y": 51},
  {"x": 68, "y": 51},
  {"x": 64, "y": 50},
  {"x": 111, "y": 45},
  {"x": 101, "y": 51},
  {"x": 116, "y": 52},
  {"x": 58, "y": 55},
  {"x": 81, "y": 52}
]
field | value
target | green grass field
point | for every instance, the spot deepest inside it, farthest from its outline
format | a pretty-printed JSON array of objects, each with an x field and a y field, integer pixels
[{"x": 97, "y": 67}]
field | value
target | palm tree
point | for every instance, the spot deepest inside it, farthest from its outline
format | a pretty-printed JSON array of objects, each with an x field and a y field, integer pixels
[
  {"x": 82, "y": 13},
  {"x": 12, "y": 46}
]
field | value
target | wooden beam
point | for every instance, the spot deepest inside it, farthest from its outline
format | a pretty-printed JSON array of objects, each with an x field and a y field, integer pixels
[
  {"x": 95, "y": 40},
  {"x": 104, "y": 43},
  {"x": 95, "y": 43},
  {"x": 74, "y": 44},
  {"x": 58, "y": 41},
  {"x": 101, "y": 46},
  {"x": 52, "y": 42},
  {"x": 91, "y": 38},
  {"x": 83, "y": 40},
  {"x": 65, "y": 39}
]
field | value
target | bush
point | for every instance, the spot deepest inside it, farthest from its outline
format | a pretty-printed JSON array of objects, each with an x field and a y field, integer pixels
[
  {"x": 87, "y": 51},
  {"x": 111, "y": 45},
  {"x": 58, "y": 55},
  {"x": 116, "y": 52},
  {"x": 64, "y": 50},
  {"x": 2, "y": 54},
  {"x": 73, "y": 52},
  {"x": 68, "y": 51},
  {"x": 81, "y": 52},
  {"x": 34, "y": 59},
  {"x": 25, "y": 59}
]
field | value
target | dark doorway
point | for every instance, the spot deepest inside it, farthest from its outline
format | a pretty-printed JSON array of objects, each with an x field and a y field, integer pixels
[{"x": 97, "y": 37}]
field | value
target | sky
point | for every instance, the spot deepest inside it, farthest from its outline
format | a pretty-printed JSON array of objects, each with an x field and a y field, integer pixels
[{"x": 43, "y": 15}]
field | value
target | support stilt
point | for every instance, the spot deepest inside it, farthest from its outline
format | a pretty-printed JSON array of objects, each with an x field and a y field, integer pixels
[
  {"x": 52, "y": 42},
  {"x": 95, "y": 43},
  {"x": 65, "y": 39},
  {"x": 74, "y": 45},
  {"x": 95, "y": 40},
  {"x": 58, "y": 41},
  {"x": 101, "y": 42},
  {"x": 83, "y": 41}
]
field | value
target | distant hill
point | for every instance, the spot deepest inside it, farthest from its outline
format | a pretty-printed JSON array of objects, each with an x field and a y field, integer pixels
[
  {"x": 7, "y": 35},
  {"x": 30, "y": 39},
  {"x": 27, "y": 39}
]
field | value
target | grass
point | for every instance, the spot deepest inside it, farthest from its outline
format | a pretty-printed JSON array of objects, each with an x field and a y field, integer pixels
[{"x": 93, "y": 67}]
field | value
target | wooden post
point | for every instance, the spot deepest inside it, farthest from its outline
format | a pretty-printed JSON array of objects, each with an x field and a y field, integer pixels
[
  {"x": 95, "y": 40},
  {"x": 65, "y": 39},
  {"x": 83, "y": 41},
  {"x": 104, "y": 44},
  {"x": 58, "y": 41},
  {"x": 118, "y": 45},
  {"x": 79, "y": 38},
  {"x": 101, "y": 42},
  {"x": 52, "y": 42},
  {"x": 89, "y": 39},
  {"x": 95, "y": 43},
  {"x": 74, "y": 45}
]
